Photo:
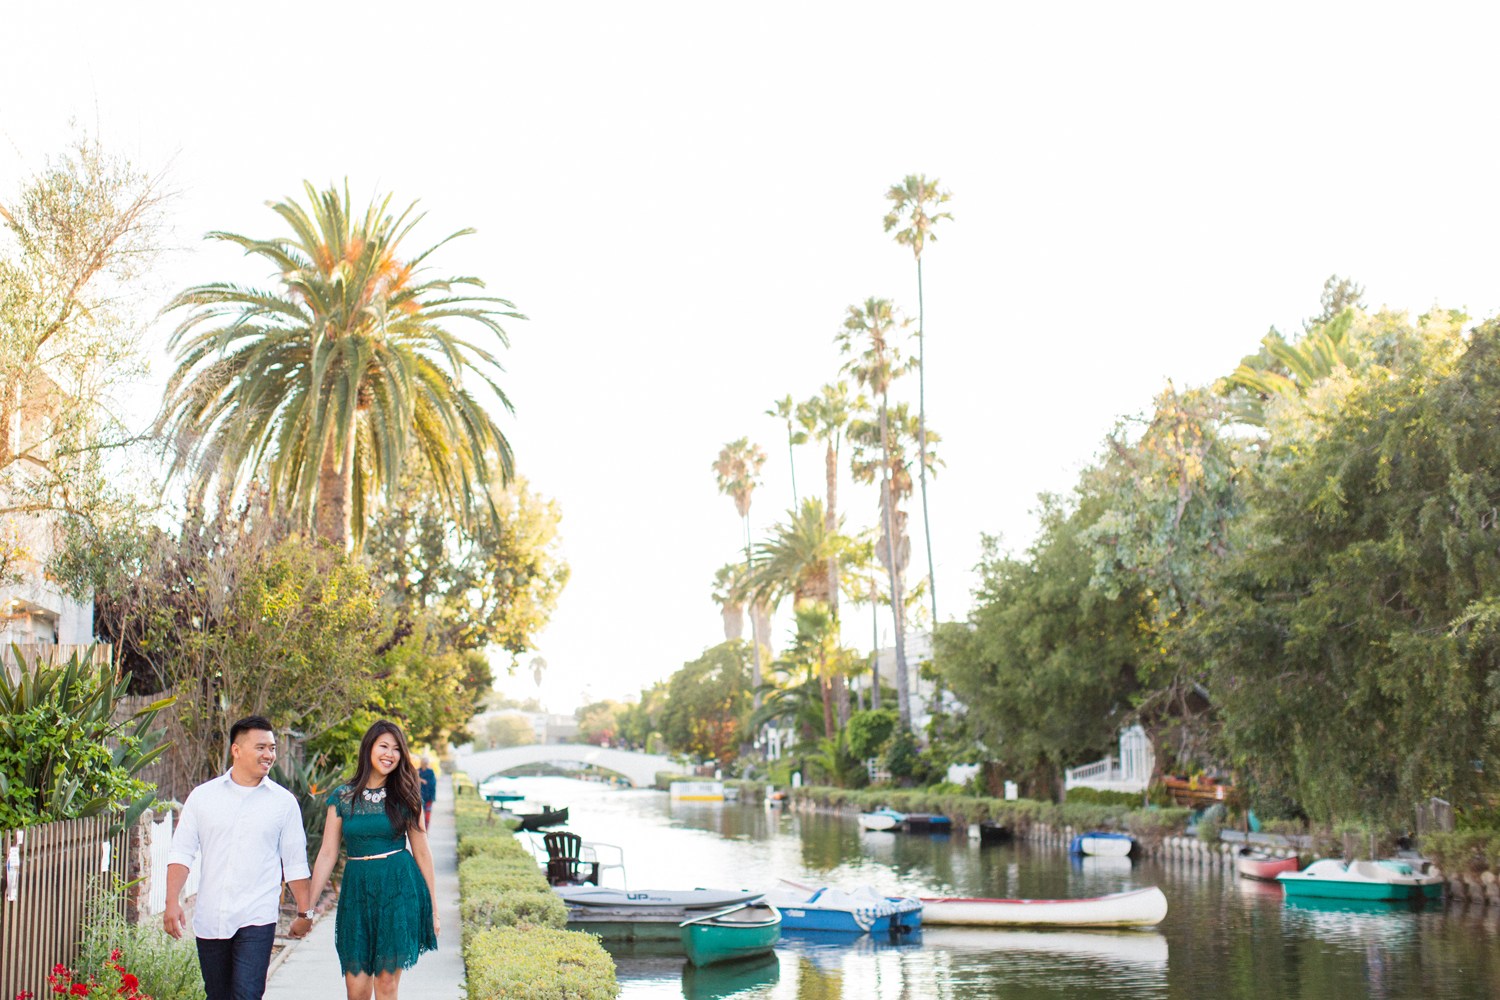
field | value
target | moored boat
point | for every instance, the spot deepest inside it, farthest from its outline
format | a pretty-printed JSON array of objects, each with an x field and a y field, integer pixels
[
  {"x": 1137, "y": 908},
  {"x": 538, "y": 820},
  {"x": 1332, "y": 879},
  {"x": 1101, "y": 844},
  {"x": 687, "y": 899},
  {"x": 881, "y": 819},
  {"x": 927, "y": 823},
  {"x": 865, "y": 910},
  {"x": 1263, "y": 867},
  {"x": 741, "y": 931},
  {"x": 994, "y": 833}
]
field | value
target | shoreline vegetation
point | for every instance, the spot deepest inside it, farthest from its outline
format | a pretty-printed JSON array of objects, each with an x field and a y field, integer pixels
[{"x": 514, "y": 942}]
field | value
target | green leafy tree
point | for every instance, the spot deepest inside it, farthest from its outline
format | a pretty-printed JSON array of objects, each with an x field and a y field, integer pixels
[
  {"x": 913, "y": 202},
  {"x": 1353, "y": 653},
  {"x": 329, "y": 384},
  {"x": 708, "y": 702},
  {"x": 493, "y": 584},
  {"x": 509, "y": 731},
  {"x": 786, "y": 410},
  {"x": 599, "y": 722},
  {"x": 869, "y": 731},
  {"x": 1047, "y": 665}
]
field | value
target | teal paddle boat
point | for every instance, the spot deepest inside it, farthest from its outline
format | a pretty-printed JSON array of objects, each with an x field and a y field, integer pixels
[
  {"x": 742, "y": 931},
  {"x": 1332, "y": 879}
]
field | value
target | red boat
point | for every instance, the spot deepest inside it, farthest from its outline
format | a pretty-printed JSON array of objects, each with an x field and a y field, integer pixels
[{"x": 1263, "y": 867}]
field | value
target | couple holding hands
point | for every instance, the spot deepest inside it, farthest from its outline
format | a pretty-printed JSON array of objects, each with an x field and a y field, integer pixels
[{"x": 247, "y": 836}]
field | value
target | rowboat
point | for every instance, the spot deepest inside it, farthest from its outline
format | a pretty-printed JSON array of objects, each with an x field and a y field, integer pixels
[
  {"x": 881, "y": 819},
  {"x": 1103, "y": 845},
  {"x": 1331, "y": 878},
  {"x": 741, "y": 931},
  {"x": 927, "y": 823},
  {"x": 1137, "y": 908},
  {"x": 994, "y": 833},
  {"x": 863, "y": 911},
  {"x": 688, "y": 899},
  {"x": 1263, "y": 867},
  {"x": 538, "y": 820}
]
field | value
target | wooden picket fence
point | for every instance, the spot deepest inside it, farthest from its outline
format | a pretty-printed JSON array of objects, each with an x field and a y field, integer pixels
[{"x": 53, "y": 873}]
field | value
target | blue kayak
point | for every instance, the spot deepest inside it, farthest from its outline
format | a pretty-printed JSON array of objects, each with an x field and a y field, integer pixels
[{"x": 863, "y": 911}]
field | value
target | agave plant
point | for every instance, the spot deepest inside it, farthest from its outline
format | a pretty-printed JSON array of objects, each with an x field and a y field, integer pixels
[{"x": 56, "y": 726}]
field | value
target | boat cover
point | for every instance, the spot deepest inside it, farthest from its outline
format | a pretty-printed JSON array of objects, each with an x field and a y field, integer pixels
[
  {"x": 865, "y": 904},
  {"x": 689, "y": 899}
]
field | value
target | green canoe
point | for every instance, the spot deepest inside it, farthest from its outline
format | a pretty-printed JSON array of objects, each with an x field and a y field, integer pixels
[{"x": 742, "y": 931}]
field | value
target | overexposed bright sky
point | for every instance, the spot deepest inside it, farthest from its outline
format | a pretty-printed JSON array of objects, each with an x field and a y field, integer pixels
[{"x": 684, "y": 198}]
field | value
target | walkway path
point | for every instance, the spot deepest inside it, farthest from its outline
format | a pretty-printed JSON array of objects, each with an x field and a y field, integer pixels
[{"x": 311, "y": 971}]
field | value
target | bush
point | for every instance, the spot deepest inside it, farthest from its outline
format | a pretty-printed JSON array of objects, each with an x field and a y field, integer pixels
[
  {"x": 1094, "y": 796},
  {"x": 537, "y": 962},
  {"x": 1464, "y": 852},
  {"x": 868, "y": 731},
  {"x": 167, "y": 969}
]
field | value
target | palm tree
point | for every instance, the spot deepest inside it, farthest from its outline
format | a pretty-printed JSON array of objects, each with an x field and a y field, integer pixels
[
  {"x": 824, "y": 417},
  {"x": 912, "y": 201},
  {"x": 726, "y": 595},
  {"x": 786, "y": 410},
  {"x": 738, "y": 470},
  {"x": 328, "y": 384},
  {"x": 876, "y": 364}
]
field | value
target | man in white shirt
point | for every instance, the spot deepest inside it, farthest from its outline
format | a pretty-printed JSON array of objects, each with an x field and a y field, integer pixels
[{"x": 246, "y": 833}]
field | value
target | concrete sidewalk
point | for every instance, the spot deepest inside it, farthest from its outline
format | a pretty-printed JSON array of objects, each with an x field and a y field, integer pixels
[{"x": 311, "y": 970}]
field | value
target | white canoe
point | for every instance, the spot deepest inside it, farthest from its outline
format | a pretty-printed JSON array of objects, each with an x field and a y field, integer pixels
[
  {"x": 1138, "y": 908},
  {"x": 691, "y": 899}
]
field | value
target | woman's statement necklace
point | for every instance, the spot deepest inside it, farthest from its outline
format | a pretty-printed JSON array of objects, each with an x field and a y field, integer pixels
[{"x": 374, "y": 794}]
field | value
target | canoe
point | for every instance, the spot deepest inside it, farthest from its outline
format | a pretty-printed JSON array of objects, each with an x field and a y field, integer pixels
[
  {"x": 881, "y": 819},
  {"x": 688, "y": 899},
  {"x": 1263, "y": 867},
  {"x": 1137, "y": 908},
  {"x": 863, "y": 911},
  {"x": 1103, "y": 845},
  {"x": 742, "y": 931},
  {"x": 927, "y": 823},
  {"x": 1330, "y": 879}
]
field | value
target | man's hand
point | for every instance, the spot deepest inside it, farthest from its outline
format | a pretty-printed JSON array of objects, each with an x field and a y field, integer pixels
[
  {"x": 299, "y": 927},
  {"x": 171, "y": 920}
]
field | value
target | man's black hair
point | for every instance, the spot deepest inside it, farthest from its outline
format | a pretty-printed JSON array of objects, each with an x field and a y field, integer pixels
[{"x": 248, "y": 723}]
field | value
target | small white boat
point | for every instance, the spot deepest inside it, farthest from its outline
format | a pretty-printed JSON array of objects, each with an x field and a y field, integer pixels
[
  {"x": 865, "y": 910},
  {"x": 1137, "y": 908},
  {"x": 1103, "y": 845},
  {"x": 881, "y": 819},
  {"x": 689, "y": 899}
]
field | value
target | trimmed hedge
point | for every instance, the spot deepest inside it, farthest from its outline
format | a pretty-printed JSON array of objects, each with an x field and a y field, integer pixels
[
  {"x": 509, "y": 962},
  {"x": 513, "y": 941},
  {"x": 1018, "y": 814}
]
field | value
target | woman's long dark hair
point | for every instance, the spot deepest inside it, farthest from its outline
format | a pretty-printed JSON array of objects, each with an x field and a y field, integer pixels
[{"x": 403, "y": 790}]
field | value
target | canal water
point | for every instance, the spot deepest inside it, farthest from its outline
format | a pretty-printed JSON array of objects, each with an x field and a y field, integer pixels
[{"x": 1223, "y": 937}]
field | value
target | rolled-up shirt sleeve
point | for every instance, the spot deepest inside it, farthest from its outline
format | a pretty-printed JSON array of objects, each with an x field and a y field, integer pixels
[
  {"x": 293, "y": 845},
  {"x": 185, "y": 846}
]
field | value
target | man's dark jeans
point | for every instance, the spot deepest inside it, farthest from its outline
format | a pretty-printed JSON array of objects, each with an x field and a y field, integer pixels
[{"x": 235, "y": 968}]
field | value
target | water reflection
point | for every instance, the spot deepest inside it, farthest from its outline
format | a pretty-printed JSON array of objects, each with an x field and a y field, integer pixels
[{"x": 1223, "y": 937}]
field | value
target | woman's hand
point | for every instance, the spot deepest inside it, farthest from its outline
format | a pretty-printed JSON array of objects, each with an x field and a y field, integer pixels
[{"x": 437, "y": 925}]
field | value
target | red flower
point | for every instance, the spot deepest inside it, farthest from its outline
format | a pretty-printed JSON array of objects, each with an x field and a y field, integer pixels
[
  {"x": 80, "y": 990},
  {"x": 59, "y": 969},
  {"x": 25, "y": 995},
  {"x": 128, "y": 982},
  {"x": 114, "y": 956}
]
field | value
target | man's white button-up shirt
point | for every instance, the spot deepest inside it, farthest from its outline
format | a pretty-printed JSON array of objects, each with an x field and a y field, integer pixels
[{"x": 245, "y": 841}]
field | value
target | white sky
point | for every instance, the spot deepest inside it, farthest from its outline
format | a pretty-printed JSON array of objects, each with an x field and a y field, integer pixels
[{"x": 684, "y": 198}]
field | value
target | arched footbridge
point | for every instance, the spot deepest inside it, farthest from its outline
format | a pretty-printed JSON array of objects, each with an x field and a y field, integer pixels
[{"x": 640, "y": 768}]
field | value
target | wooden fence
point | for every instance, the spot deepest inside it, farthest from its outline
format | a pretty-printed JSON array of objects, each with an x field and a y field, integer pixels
[
  {"x": 53, "y": 874},
  {"x": 52, "y": 654}
]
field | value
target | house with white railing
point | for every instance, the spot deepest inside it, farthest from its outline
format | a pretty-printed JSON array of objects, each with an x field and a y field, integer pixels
[{"x": 1129, "y": 772}]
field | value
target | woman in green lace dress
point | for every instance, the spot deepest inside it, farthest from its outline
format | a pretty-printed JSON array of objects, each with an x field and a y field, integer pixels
[{"x": 385, "y": 916}]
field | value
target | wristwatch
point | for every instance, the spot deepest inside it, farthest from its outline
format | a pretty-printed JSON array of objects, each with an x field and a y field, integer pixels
[{"x": 306, "y": 915}]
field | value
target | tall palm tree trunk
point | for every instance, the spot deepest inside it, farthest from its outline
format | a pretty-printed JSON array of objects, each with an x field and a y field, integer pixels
[
  {"x": 754, "y": 625},
  {"x": 874, "y": 648},
  {"x": 335, "y": 475},
  {"x": 922, "y": 441},
  {"x": 888, "y": 502},
  {"x": 830, "y": 524}
]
